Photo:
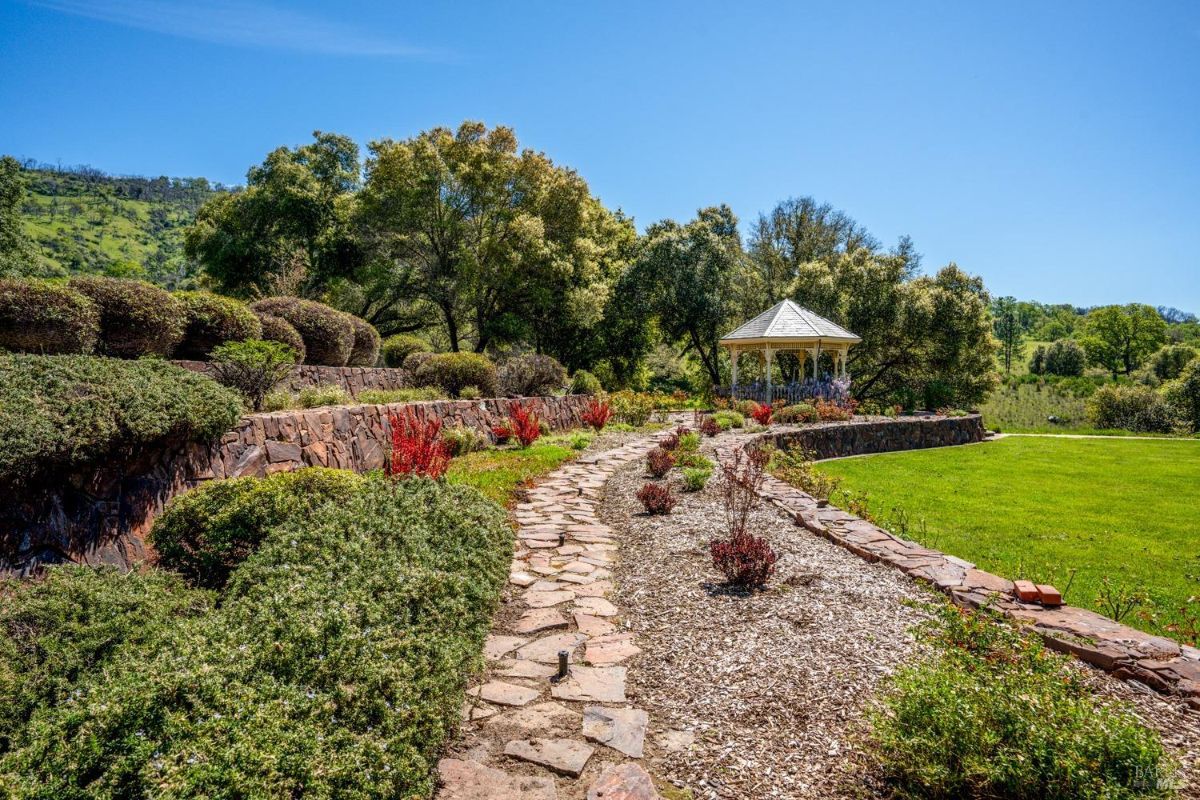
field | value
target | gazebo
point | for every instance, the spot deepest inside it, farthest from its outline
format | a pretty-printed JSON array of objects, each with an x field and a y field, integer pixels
[{"x": 789, "y": 328}]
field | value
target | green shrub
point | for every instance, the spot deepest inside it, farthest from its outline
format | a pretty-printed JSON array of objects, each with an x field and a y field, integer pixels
[
  {"x": 400, "y": 346},
  {"x": 633, "y": 408},
  {"x": 335, "y": 664},
  {"x": 68, "y": 412},
  {"x": 1132, "y": 408},
  {"x": 584, "y": 382},
  {"x": 317, "y": 396},
  {"x": 463, "y": 439},
  {"x": 1168, "y": 363},
  {"x": 797, "y": 414},
  {"x": 213, "y": 320},
  {"x": 729, "y": 419},
  {"x": 990, "y": 713},
  {"x": 136, "y": 318},
  {"x": 252, "y": 367},
  {"x": 413, "y": 361},
  {"x": 692, "y": 458},
  {"x": 1183, "y": 395},
  {"x": 365, "y": 351},
  {"x": 531, "y": 375},
  {"x": 689, "y": 442},
  {"x": 207, "y": 532},
  {"x": 1064, "y": 357},
  {"x": 454, "y": 371},
  {"x": 385, "y": 396},
  {"x": 74, "y": 621},
  {"x": 470, "y": 393},
  {"x": 695, "y": 478},
  {"x": 327, "y": 333},
  {"x": 41, "y": 317},
  {"x": 278, "y": 329}
]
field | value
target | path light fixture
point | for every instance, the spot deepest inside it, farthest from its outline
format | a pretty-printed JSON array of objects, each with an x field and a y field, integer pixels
[
  {"x": 562, "y": 538},
  {"x": 563, "y": 667}
]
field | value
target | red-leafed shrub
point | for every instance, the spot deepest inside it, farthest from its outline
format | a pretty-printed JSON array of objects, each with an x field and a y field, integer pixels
[
  {"x": 669, "y": 442},
  {"x": 831, "y": 411},
  {"x": 762, "y": 413},
  {"x": 659, "y": 462},
  {"x": 709, "y": 427},
  {"x": 502, "y": 432},
  {"x": 525, "y": 423},
  {"x": 746, "y": 561},
  {"x": 657, "y": 499},
  {"x": 742, "y": 475},
  {"x": 597, "y": 414},
  {"x": 417, "y": 447}
]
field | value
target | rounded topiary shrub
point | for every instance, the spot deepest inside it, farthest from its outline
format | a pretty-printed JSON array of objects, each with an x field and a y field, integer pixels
[
  {"x": 136, "y": 318},
  {"x": 531, "y": 375},
  {"x": 41, "y": 317},
  {"x": 584, "y": 382},
  {"x": 413, "y": 361},
  {"x": 455, "y": 371},
  {"x": 401, "y": 346},
  {"x": 365, "y": 352},
  {"x": 327, "y": 333},
  {"x": 206, "y": 533},
  {"x": 213, "y": 320},
  {"x": 278, "y": 329}
]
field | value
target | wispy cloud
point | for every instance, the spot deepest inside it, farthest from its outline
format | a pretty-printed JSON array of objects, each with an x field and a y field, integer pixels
[{"x": 244, "y": 24}]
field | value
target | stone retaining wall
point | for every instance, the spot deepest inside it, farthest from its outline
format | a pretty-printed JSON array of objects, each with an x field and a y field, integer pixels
[
  {"x": 102, "y": 516},
  {"x": 352, "y": 379},
  {"x": 879, "y": 435},
  {"x": 1155, "y": 661}
]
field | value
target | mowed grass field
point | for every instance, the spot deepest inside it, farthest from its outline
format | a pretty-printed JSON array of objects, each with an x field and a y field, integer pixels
[{"x": 1038, "y": 507}]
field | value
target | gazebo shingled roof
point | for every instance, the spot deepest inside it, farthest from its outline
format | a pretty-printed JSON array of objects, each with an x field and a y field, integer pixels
[{"x": 786, "y": 320}]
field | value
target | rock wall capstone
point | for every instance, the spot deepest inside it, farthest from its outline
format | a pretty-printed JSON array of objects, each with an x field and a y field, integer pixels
[
  {"x": 102, "y": 516},
  {"x": 352, "y": 379},
  {"x": 879, "y": 435}
]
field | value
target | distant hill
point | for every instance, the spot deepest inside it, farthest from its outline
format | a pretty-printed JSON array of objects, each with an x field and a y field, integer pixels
[{"x": 86, "y": 221}]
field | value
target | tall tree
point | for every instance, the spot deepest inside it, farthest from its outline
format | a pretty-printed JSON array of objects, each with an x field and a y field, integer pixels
[
  {"x": 502, "y": 245},
  {"x": 688, "y": 272},
  {"x": 1120, "y": 338},
  {"x": 1009, "y": 329},
  {"x": 290, "y": 224},
  {"x": 18, "y": 256}
]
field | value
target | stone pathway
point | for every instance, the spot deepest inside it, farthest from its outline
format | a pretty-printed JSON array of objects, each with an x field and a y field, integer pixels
[{"x": 526, "y": 732}]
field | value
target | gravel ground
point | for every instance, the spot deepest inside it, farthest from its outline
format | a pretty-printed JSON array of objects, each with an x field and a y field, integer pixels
[{"x": 770, "y": 689}]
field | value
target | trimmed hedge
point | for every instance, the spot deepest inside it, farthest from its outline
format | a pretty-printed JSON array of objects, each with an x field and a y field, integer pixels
[
  {"x": 531, "y": 375},
  {"x": 413, "y": 361},
  {"x": 335, "y": 664},
  {"x": 455, "y": 371},
  {"x": 72, "y": 622},
  {"x": 278, "y": 329},
  {"x": 136, "y": 318},
  {"x": 584, "y": 382},
  {"x": 327, "y": 333},
  {"x": 206, "y": 533},
  {"x": 401, "y": 346},
  {"x": 213, "y": 320},
  {"x": 48, "y": 318},
  {"x": 365, "y": 352},
  {"x": 66, "y": 412}
]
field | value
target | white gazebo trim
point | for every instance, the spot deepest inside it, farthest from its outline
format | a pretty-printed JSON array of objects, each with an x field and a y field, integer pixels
[{"x": 789, "y": 328}]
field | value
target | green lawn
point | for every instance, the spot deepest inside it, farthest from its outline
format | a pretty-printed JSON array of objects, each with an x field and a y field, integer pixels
[
  {"x": 1038, "y": 507},
  {"x": 499, "y": 472}
]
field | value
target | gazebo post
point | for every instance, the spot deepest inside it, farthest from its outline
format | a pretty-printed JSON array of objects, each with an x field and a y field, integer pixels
[
  {"x": 768, "y": 350},
  {"x": 733, "y": 359}
]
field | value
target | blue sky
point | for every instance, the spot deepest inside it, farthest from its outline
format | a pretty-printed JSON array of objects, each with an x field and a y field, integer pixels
[{"x": 1053, "y": 148}]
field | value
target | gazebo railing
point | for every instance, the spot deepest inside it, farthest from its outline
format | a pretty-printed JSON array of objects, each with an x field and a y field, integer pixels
[{"x": 827, "y": 388}]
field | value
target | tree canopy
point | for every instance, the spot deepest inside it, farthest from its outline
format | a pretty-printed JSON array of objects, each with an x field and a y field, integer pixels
[
  {"x": 1120, "y": 338},
  {"x": 17, "y": 253}
]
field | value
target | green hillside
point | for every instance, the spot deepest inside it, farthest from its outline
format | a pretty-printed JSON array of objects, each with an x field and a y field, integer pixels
[{"x": 85, "y": 221}]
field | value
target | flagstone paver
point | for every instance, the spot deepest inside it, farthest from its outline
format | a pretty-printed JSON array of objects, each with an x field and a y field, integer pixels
[{"x": 561, "y": 577}]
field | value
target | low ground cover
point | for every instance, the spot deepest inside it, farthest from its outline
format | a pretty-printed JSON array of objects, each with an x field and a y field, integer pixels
[
  {"x": 1072, "y": 512},
  {"x": 332, "y": 663},
  {"x": 499, "y": 472}
]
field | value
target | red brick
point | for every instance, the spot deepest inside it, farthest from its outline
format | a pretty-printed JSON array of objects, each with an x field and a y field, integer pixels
[
  {"x": 1049, "y": 595},
  {"x": 1026, "y": 591}
]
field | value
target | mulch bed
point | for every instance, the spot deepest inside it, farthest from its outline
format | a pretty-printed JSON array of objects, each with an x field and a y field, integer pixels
[{"x": 763, "y": 695}]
